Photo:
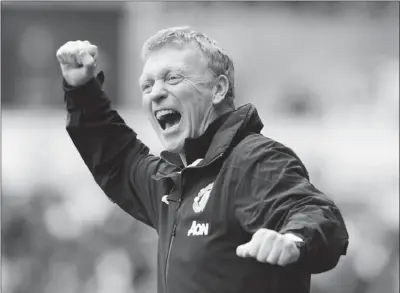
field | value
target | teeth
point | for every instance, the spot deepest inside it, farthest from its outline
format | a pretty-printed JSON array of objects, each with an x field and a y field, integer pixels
[{"x": 161, "y": 113}]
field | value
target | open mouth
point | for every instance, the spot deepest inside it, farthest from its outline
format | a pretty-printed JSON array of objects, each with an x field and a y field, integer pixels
[{"x": 167, "y": 118}]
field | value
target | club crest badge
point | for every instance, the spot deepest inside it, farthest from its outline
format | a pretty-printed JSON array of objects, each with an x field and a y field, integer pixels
[{"x": 201, "y": 199}]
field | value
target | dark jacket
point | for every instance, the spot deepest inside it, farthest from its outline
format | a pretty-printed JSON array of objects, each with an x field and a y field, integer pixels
[{"x": 244, "y": 182}]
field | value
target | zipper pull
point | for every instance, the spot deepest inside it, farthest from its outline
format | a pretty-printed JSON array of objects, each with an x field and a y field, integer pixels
[{"x": 173, "y": 230}]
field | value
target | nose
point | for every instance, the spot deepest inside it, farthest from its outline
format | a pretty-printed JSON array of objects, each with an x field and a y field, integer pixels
[{"x": 158, "y": 92}]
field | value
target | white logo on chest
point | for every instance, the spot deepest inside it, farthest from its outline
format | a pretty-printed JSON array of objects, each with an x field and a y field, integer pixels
[
  {"x": 198, "y": 229},
  {"x": 201, "y": 199}
]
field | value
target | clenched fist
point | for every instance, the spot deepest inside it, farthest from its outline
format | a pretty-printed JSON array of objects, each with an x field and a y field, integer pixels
[
  {"x": 271, "y": 247},
  {"x": 78, "y": 61}
]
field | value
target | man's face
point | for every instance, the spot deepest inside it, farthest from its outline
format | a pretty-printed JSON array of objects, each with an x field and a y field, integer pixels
[{"x": 177, "y": 94}]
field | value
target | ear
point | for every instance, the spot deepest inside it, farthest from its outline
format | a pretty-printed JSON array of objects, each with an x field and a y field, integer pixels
[{"x": 221, "y": 88}]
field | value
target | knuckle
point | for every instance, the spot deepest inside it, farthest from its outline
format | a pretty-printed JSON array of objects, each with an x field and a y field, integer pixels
[
  {"x": 69, "y": 44},
  {"x": 291, "y": 248},
  {"x": 66, "y": 47},
  {"x": 287, "y": 245},
  {"x": 260, "y": 258},
  {"x": 270, "y": 237},
  {"x": 266, "y": 242},
  {"x": 274, "y": 235},
  {"x": 260, "y": 233},
  {"x": 271, "y": 259},
  {"x": 281, "y": 262},
  {"x": 72, "y": 44},
  {"x": 62, "y": 49},
  {"x": 252, "y": 253},
  {"x": 280, "y": 239}
]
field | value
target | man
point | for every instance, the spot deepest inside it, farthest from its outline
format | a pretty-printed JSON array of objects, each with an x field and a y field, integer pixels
[{"x": 234, "y": 210}]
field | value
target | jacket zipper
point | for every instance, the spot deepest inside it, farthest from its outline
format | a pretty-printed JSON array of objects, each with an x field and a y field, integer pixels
[
  {"x": 208, "y": 164},
  {"x": 175, "y": 224},
  {"x": 170, "y": 247},
  {"x": 168, "y": 255}
]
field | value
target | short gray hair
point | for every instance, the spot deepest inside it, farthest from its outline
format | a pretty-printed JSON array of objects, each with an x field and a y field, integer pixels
[{"x": 218, "y": 60}]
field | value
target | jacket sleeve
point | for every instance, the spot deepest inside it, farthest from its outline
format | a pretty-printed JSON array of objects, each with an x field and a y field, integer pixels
[
  {"x": 275, "y": 193},
  {"x": 119, "y": 162}
]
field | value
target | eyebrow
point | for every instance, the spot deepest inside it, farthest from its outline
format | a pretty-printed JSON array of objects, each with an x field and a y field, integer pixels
[
  {"x": 142, "y": 79},
  {"x": 163, "y": 71}
]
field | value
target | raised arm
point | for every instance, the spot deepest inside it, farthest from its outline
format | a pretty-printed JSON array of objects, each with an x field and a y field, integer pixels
[{"x": 119, "y": 162}]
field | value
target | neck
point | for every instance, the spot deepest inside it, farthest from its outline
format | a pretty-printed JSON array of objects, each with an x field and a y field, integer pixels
[
  {"x": 220, "y": 110},
  {"x": 226, "y": 106},
  {"x": 183, "y": 158}
]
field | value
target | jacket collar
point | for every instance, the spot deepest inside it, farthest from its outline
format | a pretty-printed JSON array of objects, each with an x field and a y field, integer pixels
[{"x": 220, "y": 137}]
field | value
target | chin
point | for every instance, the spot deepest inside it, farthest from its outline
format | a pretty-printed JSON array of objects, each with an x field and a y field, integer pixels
[{"x": 173, "y": 147}]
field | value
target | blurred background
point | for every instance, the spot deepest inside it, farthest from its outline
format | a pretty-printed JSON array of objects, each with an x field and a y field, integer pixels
[{"x": 323, "y": 75}]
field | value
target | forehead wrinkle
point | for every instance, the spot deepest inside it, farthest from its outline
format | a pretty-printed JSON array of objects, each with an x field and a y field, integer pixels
[{"x": 186, "y": 66}]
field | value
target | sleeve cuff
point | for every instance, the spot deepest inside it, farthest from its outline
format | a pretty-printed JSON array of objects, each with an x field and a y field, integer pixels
[
  {"x": 83, "y": 96},
  {"x": 301, "y": 243},
  {"x": 294, "y": 237}
]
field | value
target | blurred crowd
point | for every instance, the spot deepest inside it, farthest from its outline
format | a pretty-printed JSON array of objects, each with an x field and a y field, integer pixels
[{"x": 323, "y": 75}]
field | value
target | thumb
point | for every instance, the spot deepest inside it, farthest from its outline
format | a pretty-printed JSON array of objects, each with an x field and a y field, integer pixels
[
  {"x": 86, "y": 60},
  {"x": 244, "y": 250},
  {"x": 250, "y": 249}
]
